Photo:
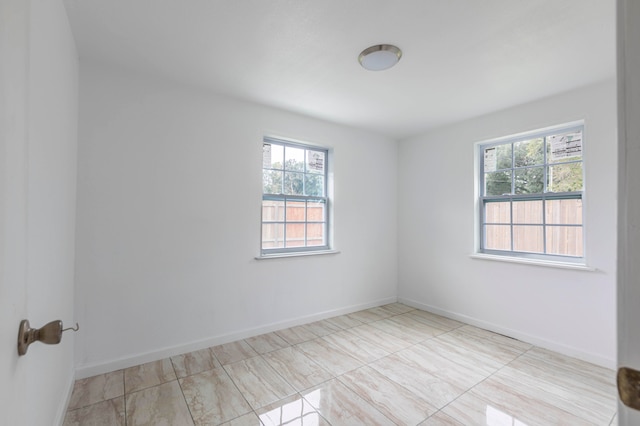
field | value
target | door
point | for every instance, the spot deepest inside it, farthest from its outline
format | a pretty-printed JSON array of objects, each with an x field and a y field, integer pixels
[
  {"x": 629, "y": 194},
  {"x": 14, "y": 37}
]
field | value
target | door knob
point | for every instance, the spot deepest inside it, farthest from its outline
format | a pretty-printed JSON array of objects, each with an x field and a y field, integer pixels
[
  {"x": 629, "y": 387},
  {"x": 50, "y": 334}
]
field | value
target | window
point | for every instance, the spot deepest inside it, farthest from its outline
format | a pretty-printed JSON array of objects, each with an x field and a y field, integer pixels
[
  {"x": 531, "y": 190},
  {"x": 294, "y": 197}
]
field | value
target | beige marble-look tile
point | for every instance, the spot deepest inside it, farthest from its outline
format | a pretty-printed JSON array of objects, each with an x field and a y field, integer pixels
[
  {"x": 470, "y": 331},
  {"x": 413, "y": 324},
  {"x": 194, "y": 362},
  {"x": 593, "y": 383},
  {"x": 267, "y": 343},
  {"x": 583, "y": 371},
  {"x": 109, "y": 412},
  {"x": 96, "y": 389},
  {"x": 386, "y": 341},
  {"x": 293, "y": 410},
  {"x": 296, "y": 368},
  {"x": 493, "y": 349},
  {"x": 463, "y": 376},
  {"x": 391, "y": 399},
  {"x": 158, "y": 405},
  {"x": 441, "y": 419},
  {"x": 472, "y": 356},
  {"x": 249, "y": 419},
  {"x": 369, "y": 315},
  {"x": 259, "y": 383},
  {"x": 490, "y": 403},
  {"x": 344, "y": 322},
  {"x": 212, "y": 397},
  {"x": 341, "y": 406},
  {"x": 403, "y": 332},
  {"x": 323, "y": 327},
  {"x": 355, "y": 346},
  {"x": 580, "y": 404},
  {"x": 381, "y": 311},
  {"x": 397, "y": 308},
  {"x": 295, "y": 335},
  {"x": 330, "y": 357},
  {"x": 148, "y": 375},
  {"x": 437, "y": 391},
  {"x": 434, "y": 320},
  {"x": 233, "y": 352}
]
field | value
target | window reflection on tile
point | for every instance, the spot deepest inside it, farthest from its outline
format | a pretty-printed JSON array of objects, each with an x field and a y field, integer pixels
[
  {"x": 341, "y": 406},
  {"x": 496, "y": 417},
  {"x": 294, "y": 410}
]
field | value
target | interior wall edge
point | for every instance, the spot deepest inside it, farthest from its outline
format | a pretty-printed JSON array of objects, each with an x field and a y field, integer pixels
[
  {"x": 67, "y": 391},
  {"x": 571, "y": 351},
  {"x": 89, "y": 370}
]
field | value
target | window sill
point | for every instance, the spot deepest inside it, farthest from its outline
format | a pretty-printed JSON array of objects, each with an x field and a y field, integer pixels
[
  {"x": 298, "y": 254},
  {"x": 535, "y": 262}
]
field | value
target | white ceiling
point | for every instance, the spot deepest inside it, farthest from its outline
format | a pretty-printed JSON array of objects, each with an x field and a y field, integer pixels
[{"x": 461, "y": 58}]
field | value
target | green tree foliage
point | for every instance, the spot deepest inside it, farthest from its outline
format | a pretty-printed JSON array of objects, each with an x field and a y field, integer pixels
[
  {"x": 291, "y": 180},
  {"x": 530, "y": 179}
]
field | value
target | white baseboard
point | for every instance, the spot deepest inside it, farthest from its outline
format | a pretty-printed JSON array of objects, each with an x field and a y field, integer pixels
[
  {"x": 534, "y": 340},
  {"x": 89, "y": 370},
  {"x": 62, "y": 409}
]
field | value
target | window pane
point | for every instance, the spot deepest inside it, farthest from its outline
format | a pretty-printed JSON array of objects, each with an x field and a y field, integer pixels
[
  {"x": 272, "y": 156},
  {"x": 564, "y": 147},
  {"x": 295, "y": 235},
  {"x": 272, "y": 235},
  {"x": 294, "y": 158},
  {"x": 315, "y": 234},
  {"x": 497, "y": 183},
  {"x": 293, "y": 183},
  {"x": 271, "y": 182},
  {"x": 564, "y": 212},
  {"x": 527, "y": 212},
  {"x": 504, "y": 156},
  {"x": 497, "y": 237},
  {"x": 272, "y": 211},
  {"x": 497, "y": 212},
  {"x": 565, "y": 178},
  {"x": 315, "y": 211},
  {"x": 295, "y": 211},
  {"x": 314, "y": 185},
  {"x": 528, "y": 153},
  {"x": 564, "y": 240},
  {"x": 528, "y": 239},
  {"x": 529, "y": 181},
  {"x": 315, "y": 162}
]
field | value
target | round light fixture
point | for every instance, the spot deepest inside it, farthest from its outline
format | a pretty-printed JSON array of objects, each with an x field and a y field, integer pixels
[{"x": 380, "y": 57}]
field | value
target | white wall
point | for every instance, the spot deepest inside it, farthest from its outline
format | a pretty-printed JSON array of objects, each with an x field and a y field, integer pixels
[
  {"x": 169, "y": 194},
  {"x": 570, "y": 311},
  {"x": 39, "y": 144}
]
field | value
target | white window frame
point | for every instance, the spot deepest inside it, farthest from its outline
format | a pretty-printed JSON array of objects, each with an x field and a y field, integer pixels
[
  {"x": 482, "y": 199},
  {"x": 285, "y": 198}
]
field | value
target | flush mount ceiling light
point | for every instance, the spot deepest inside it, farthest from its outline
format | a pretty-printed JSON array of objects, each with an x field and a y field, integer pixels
[{"x": 380, "y": 57}]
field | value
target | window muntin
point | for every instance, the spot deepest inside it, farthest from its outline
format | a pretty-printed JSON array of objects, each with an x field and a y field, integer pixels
[
  {"x": 294, "y": 197},
  {"x": 531, "y": 191}
]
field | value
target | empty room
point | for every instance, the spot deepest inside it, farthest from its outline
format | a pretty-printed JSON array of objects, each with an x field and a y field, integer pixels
[{"x": 274, "y": 212}]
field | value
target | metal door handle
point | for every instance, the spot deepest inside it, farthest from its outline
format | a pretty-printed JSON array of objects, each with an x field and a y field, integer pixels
[{"x": 629, "y": 387}]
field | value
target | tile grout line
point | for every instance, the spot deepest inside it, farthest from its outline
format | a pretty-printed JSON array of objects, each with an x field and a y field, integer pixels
[
  {"x": 184, "y": 398},
  {"x": 476, "y": 384},
  {"x": 253, "y": 410}
]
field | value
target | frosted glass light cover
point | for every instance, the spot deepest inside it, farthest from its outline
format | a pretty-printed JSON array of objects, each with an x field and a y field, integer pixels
[{"x": 380, "y": 57}]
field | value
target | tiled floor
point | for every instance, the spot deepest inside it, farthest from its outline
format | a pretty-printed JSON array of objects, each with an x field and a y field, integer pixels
[{"x": 381, "y": 366}]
